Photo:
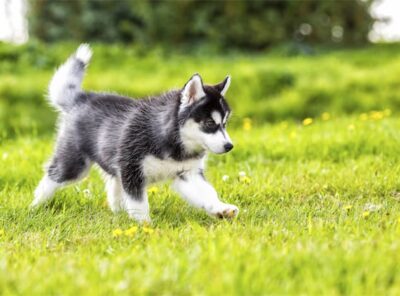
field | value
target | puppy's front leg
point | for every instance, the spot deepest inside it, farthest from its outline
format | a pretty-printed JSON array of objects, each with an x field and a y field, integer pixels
[
  {"x": 194, "y": 188},
  {"x": 137, "y": 206},
  {"x": 134, "y": 197}
]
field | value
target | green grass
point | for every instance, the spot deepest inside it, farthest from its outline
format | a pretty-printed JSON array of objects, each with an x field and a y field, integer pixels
[{"x": 320, "y": 215}]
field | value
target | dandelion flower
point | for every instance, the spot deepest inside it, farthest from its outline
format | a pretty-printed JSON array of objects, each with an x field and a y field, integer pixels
[
  {"x": 225, "y": 178},
  {"x": 148, "y": 230},
  {"x": 117, "y": 232},
  {"x": 292, "y": 135},
  {"x": 351, "y": 127},
  {"x": 366, "y": 214},
  {"x": 247, "y": 124},
  {"x": 325, "y": 116},
  {"x": 348, "y": 207},
  {"x": 131, "y": 231},
  {"x": 2, "y": 232},
  {"x": 307, "y": 121},
  {"x": 245, "y": 179},
  {"x": 152, "y": 190},
  {"x": 376, "y": 115}
]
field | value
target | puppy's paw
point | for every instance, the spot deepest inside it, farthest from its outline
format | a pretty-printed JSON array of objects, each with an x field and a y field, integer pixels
[
  {"x": 115, "y": 206},
  {"x": 225, "y": 211},
  {"x": 141, "y": 218}
]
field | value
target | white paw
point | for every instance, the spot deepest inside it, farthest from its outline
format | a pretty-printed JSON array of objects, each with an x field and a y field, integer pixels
[
  {"x": 225, "y": 211},
  {"x": 115, "y": 208},
  {"x": 115, "y": 205},
  {"x": 142, "y": 218}
]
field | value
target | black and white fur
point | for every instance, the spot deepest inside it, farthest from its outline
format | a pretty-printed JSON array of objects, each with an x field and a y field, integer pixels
[{"x": 137, "y": 142}]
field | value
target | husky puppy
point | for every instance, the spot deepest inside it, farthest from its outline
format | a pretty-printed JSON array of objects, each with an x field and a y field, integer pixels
[{"x": 137, "y": 142}]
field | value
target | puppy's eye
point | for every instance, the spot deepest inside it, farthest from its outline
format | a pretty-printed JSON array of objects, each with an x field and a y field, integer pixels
[{"x": 210, "y": 123}]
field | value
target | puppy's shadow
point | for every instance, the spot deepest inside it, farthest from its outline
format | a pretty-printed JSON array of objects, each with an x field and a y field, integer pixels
[{"x": 182, "y": 214}]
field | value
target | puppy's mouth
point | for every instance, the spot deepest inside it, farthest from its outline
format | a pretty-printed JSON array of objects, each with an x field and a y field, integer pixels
[{"x": 213, "y": 151}]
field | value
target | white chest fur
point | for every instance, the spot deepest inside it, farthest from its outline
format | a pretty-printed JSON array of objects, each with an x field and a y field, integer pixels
[{"x": 156, "y": 169}]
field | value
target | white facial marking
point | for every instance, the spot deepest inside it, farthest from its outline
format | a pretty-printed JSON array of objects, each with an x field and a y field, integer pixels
[
  {"x": 226, "y": 136},
  {"x": 194, "y": 139},
  {"x": 216, "y": 116},
  {"x": 191, "y": 136}
]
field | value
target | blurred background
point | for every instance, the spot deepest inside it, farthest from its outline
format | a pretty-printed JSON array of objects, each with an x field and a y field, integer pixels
[{"x": 289, "y": 59}]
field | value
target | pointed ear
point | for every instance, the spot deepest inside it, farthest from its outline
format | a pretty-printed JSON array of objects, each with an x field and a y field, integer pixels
[
  {"x": 223, "y": 86},
  {"x": 193, "y": 90}
]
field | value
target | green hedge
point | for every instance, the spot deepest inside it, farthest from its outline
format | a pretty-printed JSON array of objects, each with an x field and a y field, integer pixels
[{"x": 222, "y": 24}]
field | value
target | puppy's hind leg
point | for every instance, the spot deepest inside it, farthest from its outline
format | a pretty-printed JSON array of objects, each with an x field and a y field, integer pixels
[
  {"x": 62, "y": 171},
  {"x": 45, "y": 190},
  {"x": 114, "y": 194}
]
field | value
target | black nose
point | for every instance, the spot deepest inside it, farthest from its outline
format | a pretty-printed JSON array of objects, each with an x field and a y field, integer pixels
[{"x": 228, "y": 147}]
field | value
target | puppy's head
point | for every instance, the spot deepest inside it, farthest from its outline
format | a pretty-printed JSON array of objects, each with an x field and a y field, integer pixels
[{"x": 203, "y": 114}]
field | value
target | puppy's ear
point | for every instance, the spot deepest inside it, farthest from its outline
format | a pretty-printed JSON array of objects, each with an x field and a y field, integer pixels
[
  {"x": 223, "y": 86},
  {"x": 193, "y": 90}
]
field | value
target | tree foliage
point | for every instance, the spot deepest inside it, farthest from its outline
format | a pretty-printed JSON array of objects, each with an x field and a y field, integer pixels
[{"x": 224, "y": 23}]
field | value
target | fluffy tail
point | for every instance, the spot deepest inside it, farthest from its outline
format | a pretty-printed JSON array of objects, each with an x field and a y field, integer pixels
[{"x": 66, "y": 82}]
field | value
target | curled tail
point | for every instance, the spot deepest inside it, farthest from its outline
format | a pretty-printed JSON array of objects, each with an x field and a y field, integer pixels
[{"x": 66, "y": 82}]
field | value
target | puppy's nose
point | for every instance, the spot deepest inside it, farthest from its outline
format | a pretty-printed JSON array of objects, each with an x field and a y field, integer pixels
[{"x": 228, "y": 147}]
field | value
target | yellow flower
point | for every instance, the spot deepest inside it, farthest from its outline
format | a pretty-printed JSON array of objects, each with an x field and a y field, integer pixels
[
  {"x": 325, "y": 116},
  {"x": 117, "y": 232},
  {"x": 292, "y": 135},
  {"x": 131, "y": 231},
  {"x": 348, "y": 207},
  {"x": 244, "y": 179},
  {"x": 351, "y": 127},
  {"x": 366, "y": 214},
  {"x": 247, "y": 124},
  {"x": 376, "y": 115},
  {"x": 2, "y": 232},
  {"x": 398, "y": 220},
  {"x": 152, "y": 190},
  {"x": 364, "y": 116},
  {"x": 307, "y": 121},
  {"x": 148, "y": 230}
]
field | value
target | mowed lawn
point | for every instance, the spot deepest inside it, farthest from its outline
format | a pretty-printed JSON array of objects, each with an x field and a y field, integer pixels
[{"x": 319, "y": 214}]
